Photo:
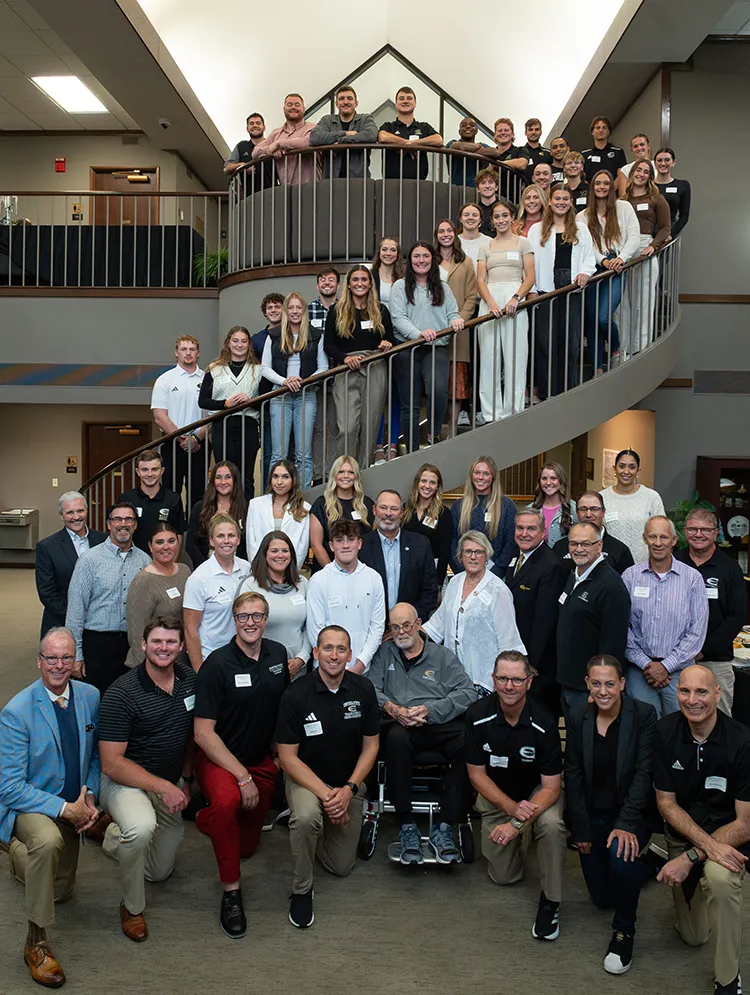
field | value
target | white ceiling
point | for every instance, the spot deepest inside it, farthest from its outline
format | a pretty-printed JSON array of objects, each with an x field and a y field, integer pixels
[
  {"x": 28, "y": 47},
  {"x": 736, "y": 21}
]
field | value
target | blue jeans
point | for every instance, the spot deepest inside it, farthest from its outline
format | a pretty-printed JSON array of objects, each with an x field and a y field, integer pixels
[
  {"x": 292, "y": 409},
  {"x": 614, "y": 883},
  {"x": 664, "y": 699},
  {"x": 609, "y": 292},
  {"x": 437, "y": 392}
]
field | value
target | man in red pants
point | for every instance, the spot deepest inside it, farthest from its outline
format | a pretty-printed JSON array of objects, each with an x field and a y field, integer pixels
[{"x": 236, "y": 703}]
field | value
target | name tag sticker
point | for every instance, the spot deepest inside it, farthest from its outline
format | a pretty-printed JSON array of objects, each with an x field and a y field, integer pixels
[
  {"x": 716, "y": 784},
  {"x": 317, "y": 322},
  {"x": 563, "y": 598},
  {"x": 595, "y": 158},
  {"x": 190, "y": 702},
  {"x": 484, "y": 598},
  {"x": 414, "y": 138},
  {"x": 671, "y": 190},
  {"x": 581, "y": 200},
  {"x": 334, "y": 602},
  {"x": 498, "y": 761},
  {"x": 366, "y": 324},
  {"x": 173, "y": 592},
  {"x": 243, "y": 681},
  {"x": 513, "y": 255},
  {"x": 298, "y": 599},
  {"x": 313, "y": 728},
  {"x": 487, "y": 516},
  {"x": 642, "y": 592},
  {"x": 513, "y": 562},
  {"x": 641, "y": 207},
  {"x": 356, "y": 517},
  {"x": 430, "y": 523},
  {"x": 612, "y": 516},
  {"x": 712, "y": 593},
  {"x": 139, "y": 512}
]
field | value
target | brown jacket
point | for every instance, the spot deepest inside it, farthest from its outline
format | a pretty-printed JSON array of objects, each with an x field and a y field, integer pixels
[{"x": 462, "y": 280}]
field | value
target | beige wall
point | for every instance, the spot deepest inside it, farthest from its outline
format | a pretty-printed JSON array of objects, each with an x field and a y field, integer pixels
[
  {"x": 644, "y": 116},
  {"x": 629, "y": 430},
  {"x": 36, "y": 441}
]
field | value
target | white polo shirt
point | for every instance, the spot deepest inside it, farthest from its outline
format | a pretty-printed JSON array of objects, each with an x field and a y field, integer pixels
[
  {"x": 177, "y": 391},
  {"x": 209, "y": 589}
]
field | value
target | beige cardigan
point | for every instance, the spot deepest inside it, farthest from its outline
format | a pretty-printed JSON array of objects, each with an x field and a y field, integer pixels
[{"x": 462, "y": 280}]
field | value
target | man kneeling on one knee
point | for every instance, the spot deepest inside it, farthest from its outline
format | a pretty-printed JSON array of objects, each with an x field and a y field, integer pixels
[
  {"x": 515, "y": 762},
  {"x": 145, "y": 745},
  {"x": 422, "y": 690}
]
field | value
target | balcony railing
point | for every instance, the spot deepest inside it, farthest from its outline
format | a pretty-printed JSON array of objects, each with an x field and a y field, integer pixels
[
  {"x": 552, "y": 325},
  {"x": 351, "y": 196},
  {"x": 103, "y": 239}
]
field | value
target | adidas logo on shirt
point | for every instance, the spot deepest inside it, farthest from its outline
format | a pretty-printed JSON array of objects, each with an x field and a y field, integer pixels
[
  {"x": 174, "y": 389},
  {"x": 677, "y": 765},
  {"x": 487, "y": 747},
  {"x": 311, "y": 717}
]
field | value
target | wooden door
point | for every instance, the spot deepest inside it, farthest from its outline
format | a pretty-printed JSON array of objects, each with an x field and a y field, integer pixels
[
  {"x": 103, "y": 443},
  {"x": 578, "y": 454},
  {"x": 124, "y": 209}
]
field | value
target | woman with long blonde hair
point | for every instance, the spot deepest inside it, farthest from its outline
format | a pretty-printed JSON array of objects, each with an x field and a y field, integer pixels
[
  {"x": 358, "y": 325},
  {"x": 293, "y": 353},
  {"x": 424, "y": 512},
  {"x": 344, "y": 498},
  {"x": 486, "y": 509},
  {"x": 563, "y": 255},
  {"x": 552, "y": 497},
  {"x": 532, "y": 203}
]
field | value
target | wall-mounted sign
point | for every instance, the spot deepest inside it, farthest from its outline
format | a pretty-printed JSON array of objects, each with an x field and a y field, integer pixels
[
  {"x": 71, "y": 464},
  {"x": 77, "y": 212},
  {"x": 60, "y": 164}
]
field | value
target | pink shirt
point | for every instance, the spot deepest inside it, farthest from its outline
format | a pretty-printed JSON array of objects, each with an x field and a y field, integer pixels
[
  {"x": 292, "y": 169},
  {"x": 549, "y": 514}
]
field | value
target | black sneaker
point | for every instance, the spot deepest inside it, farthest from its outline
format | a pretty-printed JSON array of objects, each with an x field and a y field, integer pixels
[
  {"x": 733, "y": 988},
  {"x": 267, "y": 824},
  {"x": 301, "y": 912},
  {"x": 232, "y": 917},
  {"x": 282, "y": 819},
  {"x": 547, "y": 925},
  {"x": 619, "y": 953}
]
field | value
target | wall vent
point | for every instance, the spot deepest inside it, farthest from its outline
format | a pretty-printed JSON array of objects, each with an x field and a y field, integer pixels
[{"x": 130, "y": 139}]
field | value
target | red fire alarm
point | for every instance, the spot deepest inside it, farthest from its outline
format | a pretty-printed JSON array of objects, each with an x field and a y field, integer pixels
[{"x": 60, "y": 164}]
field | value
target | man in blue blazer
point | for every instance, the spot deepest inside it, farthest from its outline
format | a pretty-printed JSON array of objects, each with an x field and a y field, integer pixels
[
  {"x": 48, "y": 786},
  {"x": 57, "y": 555}
]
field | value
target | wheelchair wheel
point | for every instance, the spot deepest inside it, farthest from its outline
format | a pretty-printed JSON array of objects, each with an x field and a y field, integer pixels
[
  {"x": 466, "y": 843},
  {"x": 367, "y": 839}
]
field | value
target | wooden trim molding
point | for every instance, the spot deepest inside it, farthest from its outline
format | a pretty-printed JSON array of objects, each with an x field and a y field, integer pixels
[
  {"x": 714, "y": 298},
  {"x": 666, "y": 104},
  {"x": 142, "y": 292},
  {"x": 676, "y": 383},
  {"x": 276, "y": 272}
]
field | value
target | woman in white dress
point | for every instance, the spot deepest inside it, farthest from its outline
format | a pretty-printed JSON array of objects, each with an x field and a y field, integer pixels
[{"x": 630, "y": 504}]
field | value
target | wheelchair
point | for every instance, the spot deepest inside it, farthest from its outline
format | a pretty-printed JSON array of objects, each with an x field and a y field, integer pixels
[{"x": 426, "y": 791}]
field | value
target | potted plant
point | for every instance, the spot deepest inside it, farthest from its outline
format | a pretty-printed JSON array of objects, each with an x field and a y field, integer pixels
[
  {"x": 680, "y": 511},
  {"x": 210, "y": 267}
]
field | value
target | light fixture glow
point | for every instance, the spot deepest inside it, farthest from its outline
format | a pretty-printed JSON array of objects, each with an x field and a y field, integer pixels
[{"x": 70, "y": 93}]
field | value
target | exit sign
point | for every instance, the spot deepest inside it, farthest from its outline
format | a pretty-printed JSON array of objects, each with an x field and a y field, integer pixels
[{"x": 60, "y": 165}]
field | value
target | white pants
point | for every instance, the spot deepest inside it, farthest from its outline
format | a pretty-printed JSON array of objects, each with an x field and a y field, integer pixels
[
  {"x": 508, "y": 340},
  {"x": 639, "y": 303}
]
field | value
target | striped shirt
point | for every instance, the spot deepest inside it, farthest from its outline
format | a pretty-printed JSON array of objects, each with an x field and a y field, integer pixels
[
  {"x": 99, "y": 590},
  {"x": 668, "y": 617},
  {"x": 156, "y": 725}
]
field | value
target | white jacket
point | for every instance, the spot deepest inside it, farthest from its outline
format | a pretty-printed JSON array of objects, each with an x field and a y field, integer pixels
[
  {"x": 629, "y": 244},
  {"x": 582, "y": 257},
  {"x": 260, "y": 523}
]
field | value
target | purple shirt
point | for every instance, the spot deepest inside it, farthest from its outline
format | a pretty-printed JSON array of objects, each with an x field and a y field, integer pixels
[{"x": 668, "y": 617}]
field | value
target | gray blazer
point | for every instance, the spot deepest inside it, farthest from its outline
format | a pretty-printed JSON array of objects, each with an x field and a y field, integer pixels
[{"x": 329, "y": 131}]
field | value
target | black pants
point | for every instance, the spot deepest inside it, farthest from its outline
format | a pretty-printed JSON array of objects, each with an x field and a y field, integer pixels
[
  {"x": 614, "y": 883},
  {"x": 242, "y": 456},
  {"x": 545, "y": 689},
  {"x": 398, "y": 747},
  {"x": 104, "y": 656},
  {"x": 556, "y": 351},
  {"x": 176, "y": 463}
]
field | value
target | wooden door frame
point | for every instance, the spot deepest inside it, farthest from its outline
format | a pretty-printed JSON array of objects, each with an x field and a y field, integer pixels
[
  {"x": 95, "y": 171},
  {"x": 85, "y": 423}
]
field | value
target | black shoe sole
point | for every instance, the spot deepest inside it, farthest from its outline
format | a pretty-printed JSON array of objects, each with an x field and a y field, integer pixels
[{"x": 232, "y": 936}]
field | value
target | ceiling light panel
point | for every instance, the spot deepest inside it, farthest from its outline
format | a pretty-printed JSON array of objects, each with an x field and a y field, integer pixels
[{"x": 70, "y": 93}]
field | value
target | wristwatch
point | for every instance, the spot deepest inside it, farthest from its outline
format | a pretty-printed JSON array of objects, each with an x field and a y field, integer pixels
[
  {"x": 352, "y": 787},
  {"x": 692, "y": 855},
  {"x": 516, "y": 823}
]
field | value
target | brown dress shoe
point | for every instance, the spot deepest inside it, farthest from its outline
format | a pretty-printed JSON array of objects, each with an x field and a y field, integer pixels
[
  {"x": 97, "y": 831},
  {"x": 44, "y": 968},
  {"x": 134, "y": 927}
]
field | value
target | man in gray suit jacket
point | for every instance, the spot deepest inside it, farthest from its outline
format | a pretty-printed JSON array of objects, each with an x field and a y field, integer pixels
[
  {"x": 345, "y": 128},
  {"x": 48, "y": 788},
  {"x": 57, "y": 555}
]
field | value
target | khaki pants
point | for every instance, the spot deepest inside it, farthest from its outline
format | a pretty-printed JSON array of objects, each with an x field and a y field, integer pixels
[
  {"x": 144, "y": 839},
  {"x": 44, "y": 857},
  {"x": 312, "y": 834},
  {"x": 505, "y": 863},
  {"x": 716, "y": 907},
  {"x": 724, "y": 674},
  {"x": 360, "y": 398}
]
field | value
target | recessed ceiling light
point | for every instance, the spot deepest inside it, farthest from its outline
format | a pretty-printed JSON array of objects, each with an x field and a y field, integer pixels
[{"x": 70, "y": 93}]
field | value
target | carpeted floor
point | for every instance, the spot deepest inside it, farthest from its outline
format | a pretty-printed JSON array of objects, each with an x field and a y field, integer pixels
[{"x": 384, "y": 930}]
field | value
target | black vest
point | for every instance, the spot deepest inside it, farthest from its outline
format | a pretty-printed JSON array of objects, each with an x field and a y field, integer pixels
[{"x": 308, "y": 357}]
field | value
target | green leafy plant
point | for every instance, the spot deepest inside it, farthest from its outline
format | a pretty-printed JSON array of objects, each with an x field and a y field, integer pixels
[
  {"x": 680, "y": 511},
  {"x": 210, "y": 267}
]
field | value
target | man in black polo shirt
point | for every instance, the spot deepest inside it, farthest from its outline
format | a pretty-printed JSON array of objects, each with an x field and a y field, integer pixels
[
  {"x": 594, "y": 613},
  {"x": 407, "y": 133},
  {"x": 702, "y": 781},
  {"x": 237, "y": 701},
  {"x": 263, "y": 176},
  {"x": 153, "y": 503},
  {"x": 726, "y": 594},
  {"x": 590, "y": 508},
  {"x": 488, "y": 184},
  {"x": 145, "y": 745},
  {"x": 533, "y": 148},
  {"x": 602, "y": 155},
  {"x": 558, "y": 149},
  {"x": 513, "y": 157},
  {"x": 514, "y": 761},
  {"x": 328, "y": 737}
]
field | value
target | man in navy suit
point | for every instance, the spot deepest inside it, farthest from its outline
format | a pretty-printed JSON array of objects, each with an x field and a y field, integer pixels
[
  {"x": 404, "y": 560},
  {"x": 49, "y": 783},
  {"x": 57, "y": 555}
]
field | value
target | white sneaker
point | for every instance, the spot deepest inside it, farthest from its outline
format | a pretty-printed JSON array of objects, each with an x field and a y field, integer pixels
[
  {"x": 463, "y": 419},
  {"x": 480, "y": 419}
]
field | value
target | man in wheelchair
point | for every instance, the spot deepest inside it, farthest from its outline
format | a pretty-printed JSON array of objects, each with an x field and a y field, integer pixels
[{"x": 423, "y": 691}]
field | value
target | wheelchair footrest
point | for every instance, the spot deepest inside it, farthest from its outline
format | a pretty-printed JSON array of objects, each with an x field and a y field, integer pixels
[{"x": 428, "y": 854}]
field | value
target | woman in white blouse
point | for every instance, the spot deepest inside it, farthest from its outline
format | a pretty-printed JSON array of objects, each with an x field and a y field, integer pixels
[
  {"x": 282, "y": 509},
  {"x": 476, "y": 618},
  {"x": 563, "y": 255},
  {"x": 630, "y": 504},
  {"x": 616, "y": 237}
]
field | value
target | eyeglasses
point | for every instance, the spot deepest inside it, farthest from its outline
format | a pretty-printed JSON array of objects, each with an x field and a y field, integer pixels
[
  {"x": 474, "y": 554},
  {"x": 53, "y": 659},
  {"x": 116, "y": 520},
  {"x": 517, "y": 682},
  {"x": 582, "y": 545},
  {"x": 595, "y": 507},
  {"x": 693, "y": 531},
  {"x": 406, "y": 627},
  {"x": 243, "y": 617}
]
